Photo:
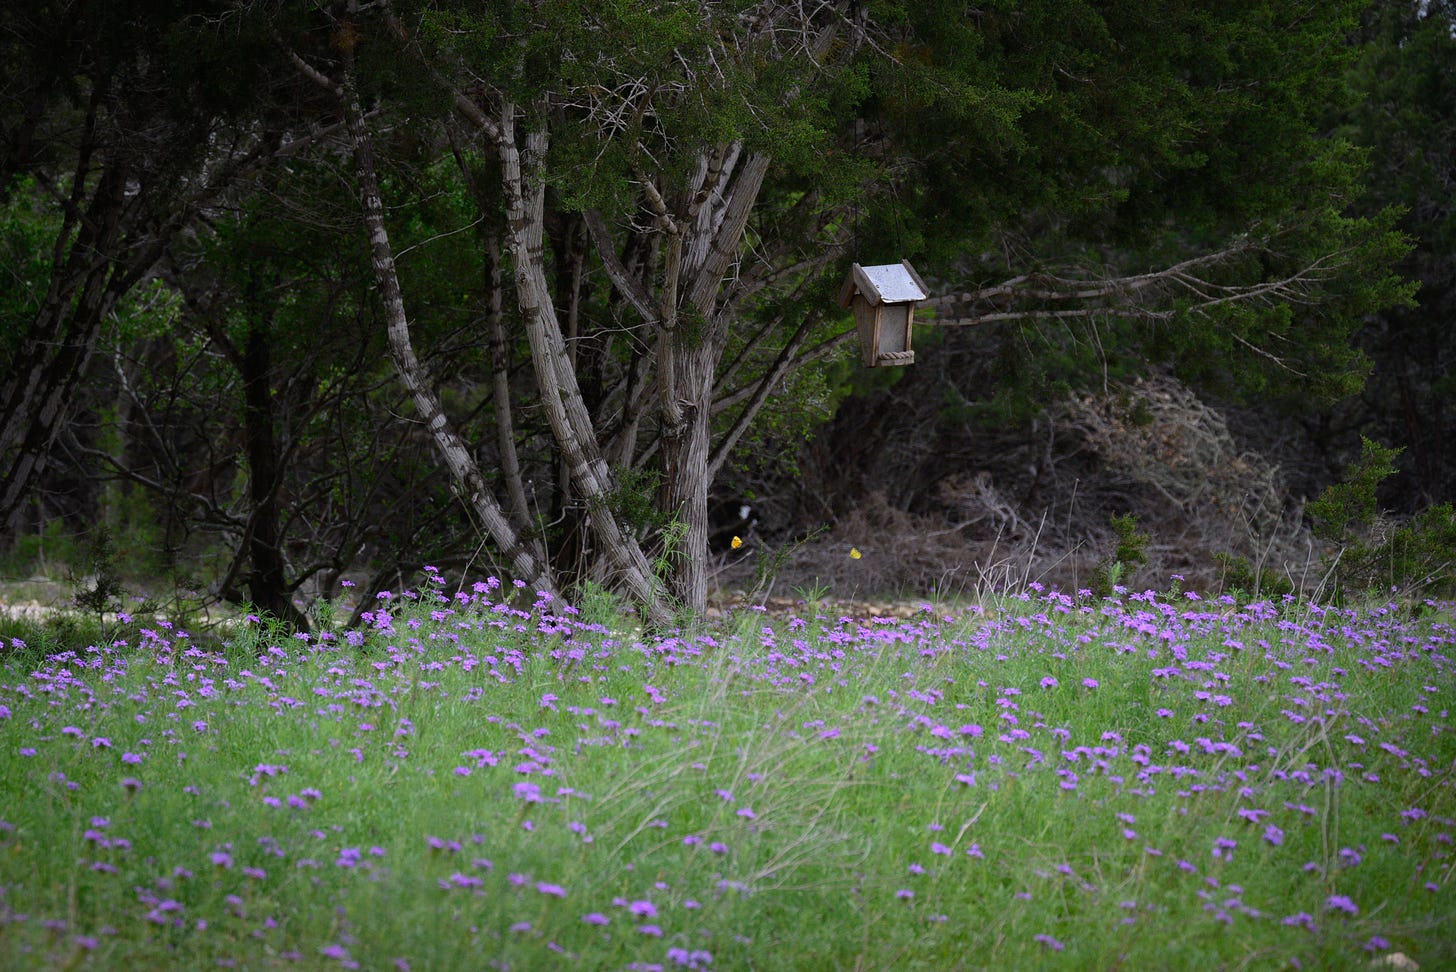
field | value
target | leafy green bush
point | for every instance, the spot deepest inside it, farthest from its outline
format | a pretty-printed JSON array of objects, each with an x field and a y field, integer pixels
[
  {"x": 1239, "y": 576},
  {"x": 1417, "y": 556},
  {"x": 1131, "y": 552},
  {"x": 1350, "y": 507}
]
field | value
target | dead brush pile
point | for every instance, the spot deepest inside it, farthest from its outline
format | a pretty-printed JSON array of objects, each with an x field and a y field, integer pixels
[{"x": 987, "y": 512}]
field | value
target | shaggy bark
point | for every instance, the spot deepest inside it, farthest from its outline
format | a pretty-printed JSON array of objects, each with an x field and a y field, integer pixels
[
  {"x": 701, "y": 247},
  {"x": 452, "y": 449},
  {"x": 501, "y": 394},
  {"x": 561, "y": 397}
]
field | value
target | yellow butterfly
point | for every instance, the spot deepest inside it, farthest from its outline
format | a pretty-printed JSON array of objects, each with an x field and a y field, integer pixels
[
  {"x": 736, "y": 543},
  {"x": 853, "y": 553}
]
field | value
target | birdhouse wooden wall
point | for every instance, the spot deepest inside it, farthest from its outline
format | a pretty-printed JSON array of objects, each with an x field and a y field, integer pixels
[{"x": 883, "y": 300}]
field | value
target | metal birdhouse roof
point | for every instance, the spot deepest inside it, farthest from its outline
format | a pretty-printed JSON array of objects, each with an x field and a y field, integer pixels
[{"x": 889, "y": 283}]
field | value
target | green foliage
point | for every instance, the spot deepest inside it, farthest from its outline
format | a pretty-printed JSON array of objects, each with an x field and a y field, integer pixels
[
  {"x": 252, "y": 636},
  {"x": 1186, "y": 131},
  {"x": 596, "y": 605},
  {"x": 790, "y": 418},
  {"x": 42, "y": 552},
  {"x": 1132, "y": 543},
  {"x": 1402, "y": 88},
  {"x": 1350, "y": 507},
  {"x": 1245, "y": 581},
  {"x": 148, "y": 312},
  {"x": 1416, "y": 557},
  {"x": 633, "y": 500},
  {"x": 983, "y": 145},
  {"x": 29, "y": 223},
  {"x": 323, "y": 614},
  {"x": 1129, "y": 553},
  {"x": 26, "y": 641},
  {"x": 670, "y": 546},
  {"x": 100, "y": 588}
]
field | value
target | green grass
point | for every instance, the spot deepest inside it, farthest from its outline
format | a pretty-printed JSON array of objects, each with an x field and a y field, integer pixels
[{"x": 809, "y": 793}]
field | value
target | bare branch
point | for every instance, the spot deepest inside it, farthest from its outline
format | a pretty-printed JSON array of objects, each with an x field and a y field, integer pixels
[
  {"x": 606, "y": 248},
  {"x": 770, "y": 380},
  {"x": 1150, "y": 296}
]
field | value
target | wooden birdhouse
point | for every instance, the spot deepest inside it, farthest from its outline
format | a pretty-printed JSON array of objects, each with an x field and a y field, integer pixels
[{"x": 883, "y": 299}]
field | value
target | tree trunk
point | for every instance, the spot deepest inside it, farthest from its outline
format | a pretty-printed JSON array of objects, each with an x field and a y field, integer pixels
[
  {"x": 561, "y": 397},
  {"x": 700, "y": 247},
  {"x": 57, "y": 347},
  {"x": 718, "y": 217},
  {"x": 501, "y": 393},
  {"x": 685, "y": 450},
  {"x": 461, "y": 463},
  {"x": 267, "y": 582}
]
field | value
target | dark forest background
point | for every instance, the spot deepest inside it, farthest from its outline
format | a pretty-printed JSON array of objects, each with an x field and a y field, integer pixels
[{"x": 1193, "y": 270}]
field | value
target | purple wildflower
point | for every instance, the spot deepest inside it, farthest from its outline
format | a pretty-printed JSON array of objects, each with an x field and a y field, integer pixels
[{"x": 1048, "y": 942}]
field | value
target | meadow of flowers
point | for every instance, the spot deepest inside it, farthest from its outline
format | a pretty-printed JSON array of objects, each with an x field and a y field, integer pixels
[{"x": 471, "y": 781}]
